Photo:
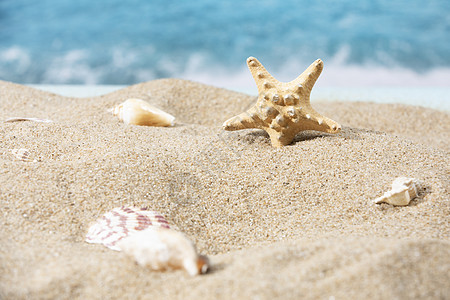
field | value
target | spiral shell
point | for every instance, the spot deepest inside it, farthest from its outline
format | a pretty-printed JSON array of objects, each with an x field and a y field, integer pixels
[
  {"x": 402, "y": 192},
  {"x": 164, "y": 249},
  {"x": 139, "y": 112}
]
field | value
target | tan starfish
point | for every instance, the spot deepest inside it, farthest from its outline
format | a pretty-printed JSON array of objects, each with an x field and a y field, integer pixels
[{"x": 283, "y": 109}]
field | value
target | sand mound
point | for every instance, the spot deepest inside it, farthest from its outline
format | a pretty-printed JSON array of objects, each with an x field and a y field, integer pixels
[{"x": 293, "y": 222}]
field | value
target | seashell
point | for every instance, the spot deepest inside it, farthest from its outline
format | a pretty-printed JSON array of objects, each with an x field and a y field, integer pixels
[
  {"x": 162, "y": 249},
  {"x": 23, "y": 155},
  {"x": 28, "y": 119},
  {"x": 139, "y": 112},
  {"x": 402, "y": 192},
  {"x": 147, "y": 236},
  {"x": 120, "y": 223}
]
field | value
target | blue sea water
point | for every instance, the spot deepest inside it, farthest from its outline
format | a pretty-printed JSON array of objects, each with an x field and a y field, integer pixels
[{"x": 366, "y": 42}]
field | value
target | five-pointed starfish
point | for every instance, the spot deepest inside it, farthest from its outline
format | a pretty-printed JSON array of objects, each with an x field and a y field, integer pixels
[{"x": 283, "y": 109}]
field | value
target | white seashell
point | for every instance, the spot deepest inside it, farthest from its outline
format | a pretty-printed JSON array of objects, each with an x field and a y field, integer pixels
[
  {"x": 28, "y": 119},
  {"x": 120, "y": 223},
  {"x": 139, "y": 112},
  {"x": 23, "y": 155},
  {"x": 162, "y": 249},
  {"x": 402, "y": 192}
]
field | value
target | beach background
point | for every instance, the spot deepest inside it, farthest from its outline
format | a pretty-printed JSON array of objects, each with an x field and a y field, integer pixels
[
  {"x": 393, "y": 45},
  {"x": 296, "y": 222}
]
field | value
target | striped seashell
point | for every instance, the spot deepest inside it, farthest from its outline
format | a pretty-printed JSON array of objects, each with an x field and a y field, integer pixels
[
  {"x": 23, "y": 155},
  {"x": 28, "y": 119},
  {"x": 122, "y": 222}
]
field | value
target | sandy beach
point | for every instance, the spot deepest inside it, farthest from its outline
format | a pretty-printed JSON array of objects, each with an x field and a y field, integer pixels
[{"x": 296, "y": 222}]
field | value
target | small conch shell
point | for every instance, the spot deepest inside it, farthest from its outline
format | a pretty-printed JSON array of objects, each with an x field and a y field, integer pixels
[
  {"x": 139, "y": 112},
  {"x": 402, "y": 192},
  {"x": 162, "y": 249}
]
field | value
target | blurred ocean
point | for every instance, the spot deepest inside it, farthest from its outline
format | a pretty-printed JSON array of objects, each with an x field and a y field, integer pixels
[{"x": 362, "y": 43}]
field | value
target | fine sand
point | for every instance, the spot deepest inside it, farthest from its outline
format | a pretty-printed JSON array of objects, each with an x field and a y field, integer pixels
[{"x": 296, "y": 222}]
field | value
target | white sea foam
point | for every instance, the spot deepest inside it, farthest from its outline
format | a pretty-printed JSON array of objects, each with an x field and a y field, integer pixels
[
  {"x": 339, "y": 81},
  {"x": 336, "y": 74},
  {"x": 126, "y": 66},
  {"x": 18, "y": 56},
  {"x": 72, "y": 67}
]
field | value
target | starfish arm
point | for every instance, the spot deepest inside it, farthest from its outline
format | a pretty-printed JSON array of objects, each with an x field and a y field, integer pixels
[
  {"x": 242, "y": 121},
  {"x": 261, "y": 76},
  {"x": 305, "y": 82},
  {"x": 318, "y": 122}
]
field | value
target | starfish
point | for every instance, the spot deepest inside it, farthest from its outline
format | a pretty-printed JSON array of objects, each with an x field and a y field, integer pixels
[{"x": 283, "y": 109}]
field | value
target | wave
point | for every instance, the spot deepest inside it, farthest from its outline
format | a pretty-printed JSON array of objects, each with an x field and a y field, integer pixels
[
  {"x": 335, "y": 74},
  {"x": 125, "y": 67}
]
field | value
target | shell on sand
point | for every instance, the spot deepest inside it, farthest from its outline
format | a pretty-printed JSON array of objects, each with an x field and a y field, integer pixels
[
  {"x": 148, "y": 238},
  {"x": 139, "y": 112},
  {"x": 122, "y": 222},
  {"x": 402, "y": 192},
  {"x": 163, "y": 249},
  {"x": 20, "y": 119},
  {"x": 23, "y": 155}
]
